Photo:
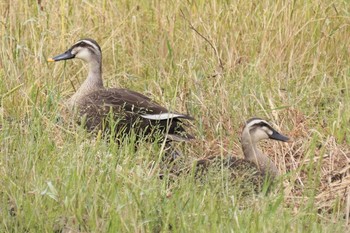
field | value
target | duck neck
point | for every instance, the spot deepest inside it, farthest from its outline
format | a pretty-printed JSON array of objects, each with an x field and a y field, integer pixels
[
  {"x": 253, "y": 154},
  {"x": 92, "y": 83}
]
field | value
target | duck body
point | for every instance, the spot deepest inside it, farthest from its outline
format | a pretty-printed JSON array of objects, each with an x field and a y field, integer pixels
[
  {"x": 241, "y": 173},
  {"x": 99, "y": 108},
  {"x": 130, "y": 111}
]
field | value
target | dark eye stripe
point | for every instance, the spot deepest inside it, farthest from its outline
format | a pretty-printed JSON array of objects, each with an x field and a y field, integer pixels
[
  {"x": 92, "y": 43},
  {"x": 262, "y": 124},
  {"x": 89, "y": 44},
  {"x": 83, "y": 44},
  {"x": 259, "y": 124},
  {"x": 255, "y": 121}
]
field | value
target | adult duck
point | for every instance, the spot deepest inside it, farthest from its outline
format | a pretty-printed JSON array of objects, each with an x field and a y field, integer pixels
[
  {"x": 127, "y": 110},
  {"x": 254, "y": 161}
]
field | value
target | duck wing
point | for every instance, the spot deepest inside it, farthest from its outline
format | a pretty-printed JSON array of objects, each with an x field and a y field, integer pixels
[{"x": 131, "y": 110}]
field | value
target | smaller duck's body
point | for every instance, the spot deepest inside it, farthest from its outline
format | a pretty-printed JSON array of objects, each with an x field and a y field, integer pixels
[
  {"x": 254, "y": 160},
  {"x": 129, "y": 110}
]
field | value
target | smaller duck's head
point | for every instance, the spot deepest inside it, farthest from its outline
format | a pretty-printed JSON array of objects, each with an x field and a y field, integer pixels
[
  {"x": 85, "y": 49},
  {"x": 259, "y": 129}
]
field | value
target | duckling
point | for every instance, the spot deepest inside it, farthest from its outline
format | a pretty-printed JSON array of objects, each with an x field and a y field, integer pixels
[
  {"x": 255, "y": 130},
  {"x": 131, "y": 110}
]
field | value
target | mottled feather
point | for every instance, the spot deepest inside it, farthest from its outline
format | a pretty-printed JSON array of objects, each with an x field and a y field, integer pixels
[{"x": 127, "y": 107}]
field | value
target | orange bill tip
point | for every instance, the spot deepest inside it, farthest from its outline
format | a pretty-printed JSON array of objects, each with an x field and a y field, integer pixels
[{"x": 50, "y": 60}]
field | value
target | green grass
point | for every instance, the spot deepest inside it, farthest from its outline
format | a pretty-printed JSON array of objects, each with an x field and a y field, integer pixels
[{"x": 287, "y": 62}]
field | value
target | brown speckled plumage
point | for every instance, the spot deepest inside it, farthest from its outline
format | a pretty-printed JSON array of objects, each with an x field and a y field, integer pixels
[{"x": 127, "y": 108}]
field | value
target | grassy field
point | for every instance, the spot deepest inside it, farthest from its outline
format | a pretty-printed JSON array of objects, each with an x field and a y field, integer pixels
[{"x": 221, "y": 62}]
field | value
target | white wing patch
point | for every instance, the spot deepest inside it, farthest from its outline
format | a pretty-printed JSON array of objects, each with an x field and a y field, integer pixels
[{"x": 162, "y": 116}]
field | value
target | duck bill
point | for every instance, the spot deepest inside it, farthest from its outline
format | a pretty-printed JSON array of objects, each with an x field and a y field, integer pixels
[
  {"x": 64, "y": 56},
  {"x": 279, "y": 137}
]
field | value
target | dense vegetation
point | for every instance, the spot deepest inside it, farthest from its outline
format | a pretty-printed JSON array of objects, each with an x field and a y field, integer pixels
[{"x": 220, "y": 61}]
